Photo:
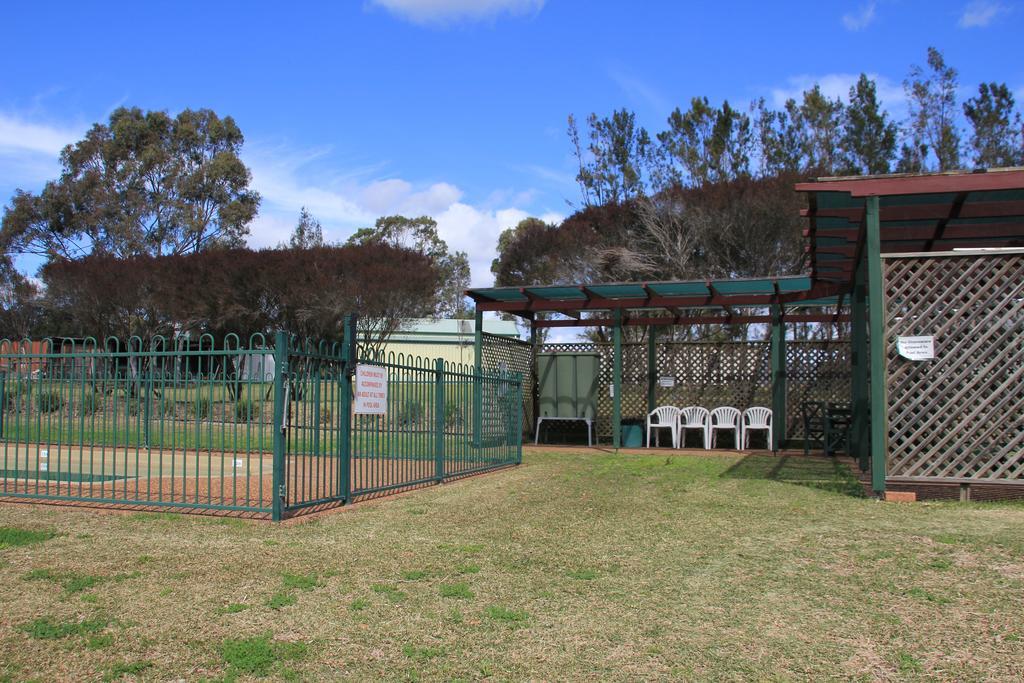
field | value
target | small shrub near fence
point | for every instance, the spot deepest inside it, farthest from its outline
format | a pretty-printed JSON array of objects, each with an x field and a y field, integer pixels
[{"x": 49, "y": 401}]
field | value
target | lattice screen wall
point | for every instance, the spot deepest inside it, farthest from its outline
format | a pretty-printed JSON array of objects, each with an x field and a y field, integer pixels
[
  {"x": 712, "y": 374},
  {"x": 816, "y": 371},
  {"x": 512, "y": 355},
  {"x": 960, "y": 416}
]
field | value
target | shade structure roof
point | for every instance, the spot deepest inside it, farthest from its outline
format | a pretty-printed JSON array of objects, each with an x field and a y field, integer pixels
[
  {"x": 917, "y": 213},
  {"x": 674, "y": 302}
]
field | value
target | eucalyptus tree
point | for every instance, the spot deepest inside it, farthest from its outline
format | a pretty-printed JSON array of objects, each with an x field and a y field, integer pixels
[
  {"x": 420, "y": 235},
  {"x": 144, "y": 183}
]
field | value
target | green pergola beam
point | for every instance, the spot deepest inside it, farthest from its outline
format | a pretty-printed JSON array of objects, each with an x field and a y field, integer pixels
[
  {"x": 778, "y": 358},
  {"x": 876, "y": 313},
  {"x": 617, "y": 380},
  {"x": 860, "y": 443}
]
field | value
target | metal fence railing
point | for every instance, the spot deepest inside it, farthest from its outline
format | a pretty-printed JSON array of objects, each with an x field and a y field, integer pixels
[
  {"x": 172, "y": 423},
  {"x": 262, "y": 428},
  {"x": 431, "y": 431}
]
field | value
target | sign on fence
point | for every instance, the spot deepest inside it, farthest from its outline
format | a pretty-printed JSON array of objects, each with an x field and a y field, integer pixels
[
  {"x": 916, "y": 348},
  {"x": 371, "y": 390}
]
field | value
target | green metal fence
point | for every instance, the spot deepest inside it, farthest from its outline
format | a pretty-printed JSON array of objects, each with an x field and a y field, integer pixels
[
  {"x": 429, "y": 432},
  {"x": 168, "y": 423},
  {"x": 261, "y": 428}
]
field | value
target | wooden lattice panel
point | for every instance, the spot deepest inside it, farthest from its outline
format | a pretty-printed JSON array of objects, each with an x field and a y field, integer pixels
[
  {"x": 961, "y": 415},
  {"x": 511, "y": 355},
  {"x": 706, "y": 374},
  {"x": 815, "y": 371}
]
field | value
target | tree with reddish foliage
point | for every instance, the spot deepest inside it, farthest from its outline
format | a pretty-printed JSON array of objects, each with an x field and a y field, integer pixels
[{"x": 303, "y": 291}]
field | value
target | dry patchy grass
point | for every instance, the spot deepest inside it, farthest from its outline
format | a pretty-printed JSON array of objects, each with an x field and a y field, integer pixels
[{"x": 578, "y": 565}]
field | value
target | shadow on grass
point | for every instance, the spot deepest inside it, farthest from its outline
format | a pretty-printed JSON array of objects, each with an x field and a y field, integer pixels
[{"x": 825, "y": 474}]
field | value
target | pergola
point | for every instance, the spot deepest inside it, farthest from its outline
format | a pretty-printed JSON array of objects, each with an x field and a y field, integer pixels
[{"x": 852, "y": 222}]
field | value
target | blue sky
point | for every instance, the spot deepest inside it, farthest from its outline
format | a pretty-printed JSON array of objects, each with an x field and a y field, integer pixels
[{"x": 454, "y": 108}]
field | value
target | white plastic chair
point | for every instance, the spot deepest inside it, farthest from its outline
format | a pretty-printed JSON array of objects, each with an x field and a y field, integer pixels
[
  {"x": 663, "y": 417},
  {"x": 693, "y": 417},
  {"x": 725, "y": 417},
  {"x": 757, "y": 418}
]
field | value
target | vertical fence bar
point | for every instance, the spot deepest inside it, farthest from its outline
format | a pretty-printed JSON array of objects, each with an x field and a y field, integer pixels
[
  {"x": 348, "y": 369},
  {"x": 519, "y": 419},
  {"x": 280, "y": 370},
  {"x": 439, "y": 419},
  {"x": 478, "y": 360}
]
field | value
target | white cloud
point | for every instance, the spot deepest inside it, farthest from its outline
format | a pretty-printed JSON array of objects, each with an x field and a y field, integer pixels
[
  {"x": 890, "y": 94},
  {"x": 856, "y": 21},
  {"x": 638, "y": 90},
  {"x": 443, "y": 12},
  {"x": 289, "y": 181},
  {"x": 19, "y": 135},
  {"x": 980, "y": 13},
  {"x": 475, "y": 231},
  {"x": 29, "y": 151}
]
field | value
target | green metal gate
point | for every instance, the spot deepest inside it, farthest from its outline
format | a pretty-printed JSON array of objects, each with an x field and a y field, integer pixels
[{"x": 258, "y": 430}]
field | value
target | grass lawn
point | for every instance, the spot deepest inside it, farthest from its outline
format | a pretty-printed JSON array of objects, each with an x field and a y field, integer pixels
[{"x": 577, "y": 565}]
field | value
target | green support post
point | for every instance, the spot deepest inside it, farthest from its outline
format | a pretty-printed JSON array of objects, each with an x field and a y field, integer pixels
[
  {"x": 876, "y": 312},
  {"x": 617, "y": 380},
  {"x": 478, "y": 389},
  {"x": 534, "y": 348},
  {"x": 345, "y": 439},
  {"x": 778, "y": 358},
  {"x": 859, "y": 441},
  {"x": 439, "y": 420},
  {"x": 519, "y": 420},
  {"x": 280, "y": 437},
  {"x": 652, "y": 369}
]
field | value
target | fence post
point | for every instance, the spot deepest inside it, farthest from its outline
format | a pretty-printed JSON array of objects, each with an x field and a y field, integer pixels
[
  {"x": 3, "y": 400},
  {"x": 147, "y": 413},
  {"x": 348, "y": 353},
  {"x": 478, "y": 389},
  {"x": 439, "y": 409},
  {"x": 280, "y": 437},
  {"x": 519, "y": 420}
]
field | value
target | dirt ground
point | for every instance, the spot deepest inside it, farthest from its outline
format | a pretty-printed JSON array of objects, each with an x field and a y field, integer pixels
[{"x": 145, "y": 479}]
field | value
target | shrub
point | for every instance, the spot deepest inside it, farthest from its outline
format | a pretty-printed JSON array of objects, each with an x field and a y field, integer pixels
[
  {"x": 16, "y": 396},
  {"x": 453, "y": 415},
  {"x": 49, "y": 401},
  {"x": 90, "y": 403},
  {"x": 201, "y": 407},
  {"x": 247, "y": 410},
  {"x": 411, "y": 412}
]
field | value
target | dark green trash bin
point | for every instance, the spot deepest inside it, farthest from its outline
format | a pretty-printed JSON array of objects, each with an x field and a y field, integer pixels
[{"x": 632, "y": 435}]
